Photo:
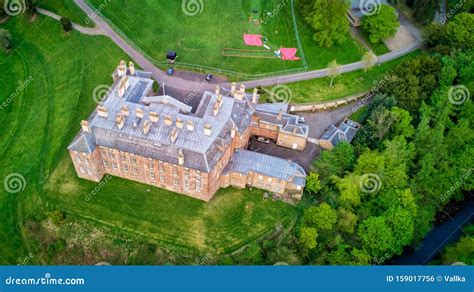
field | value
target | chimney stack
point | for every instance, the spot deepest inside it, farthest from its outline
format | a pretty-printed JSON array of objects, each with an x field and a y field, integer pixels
[
  {"x": 280, "y": 115},
  {"x": 233, "y": 132},
  {"x": 180, "y": 157},
  {"x": 168, "y": 121},
  {"x": 153, "y": 117},
  {"x": 174, "y": 135},
  {"x": 131, "y": 67},
  {"x": 208, "y": 130},
  {"x": 123, "y": 86},
  {"x": 233, "y": 88},
  {"x": 255, "y": 96},
  {"x": 218, "y": 90},
  {"x": 139, "y": 113},
  {"x": 102, "y": 111},
  {"x": 190, "y": 125},
  {"x": 179, "y": 123},
  {"x": 85, "y": 126},
  {"x": 146, "y": 127},
  {"x": 125, "y": 111},
  {"x": 122, "y": 69},
  {"x": 240, "y": 94},
  {"x": 120, "y": 122}
]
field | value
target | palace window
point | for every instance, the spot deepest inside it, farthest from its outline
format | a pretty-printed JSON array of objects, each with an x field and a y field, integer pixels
[
  {"x": 134, "y": 161},
  {"x": 135, "y": 170},
  {"x": 152, "y": 175},
  {"x": 112, "y": 155},
  {"x": 89, "y": 171},
  {"x": 106, "y": 164},
  {"x": 78, "y": 159},
  {"x": 81, "y": 169},
  {"x": 103, "y": 153},
  {"x": 162, "y": 178},
  {"x": 150, "y": 165},
  {"x": 124, "y": 158},
  {"x": 114, "y": 166},
  {"x": 125, "y": 168}
]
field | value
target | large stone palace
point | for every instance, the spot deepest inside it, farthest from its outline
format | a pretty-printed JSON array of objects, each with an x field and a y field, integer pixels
[{"x": 160, "y": 141}]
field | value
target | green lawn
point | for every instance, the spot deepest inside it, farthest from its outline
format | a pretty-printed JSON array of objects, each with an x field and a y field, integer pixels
[
  {"x": 318, "y": 90},
  {"x": 66, "y": 8},
  {"x": 39, "y": 121},
  {"x": 157, "y": 26}
]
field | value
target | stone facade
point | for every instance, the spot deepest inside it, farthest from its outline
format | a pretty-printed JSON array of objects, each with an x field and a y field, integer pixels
[{"x": 164, "y": 145}]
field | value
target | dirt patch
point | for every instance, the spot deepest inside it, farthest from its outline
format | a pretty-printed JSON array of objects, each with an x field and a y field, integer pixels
[{"x": 402, "y": 38}]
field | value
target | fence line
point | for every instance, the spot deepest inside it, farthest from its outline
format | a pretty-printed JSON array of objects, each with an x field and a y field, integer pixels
[
  {"x": 297, "y": 35},
  {"x": 326, "y": 105}
]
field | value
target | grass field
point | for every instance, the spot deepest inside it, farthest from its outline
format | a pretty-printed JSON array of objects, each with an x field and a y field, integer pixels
[
  {"x": 40, "y": 119},
  {"x": 152, "y": 25},
  {"x": 66, "y": 8},
  {"x": 318, "y": 90}
]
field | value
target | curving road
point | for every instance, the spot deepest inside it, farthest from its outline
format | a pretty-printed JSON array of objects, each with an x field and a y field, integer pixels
[{"x": 193, "y": 86}]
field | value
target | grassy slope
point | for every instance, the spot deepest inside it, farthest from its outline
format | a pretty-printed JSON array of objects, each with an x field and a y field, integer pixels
[
  {"x": 317, "y": 90},
  {"x": 42, "y": 119},
  {"x": 66, "y": 8},
  {"x": 216, "y": 30}
]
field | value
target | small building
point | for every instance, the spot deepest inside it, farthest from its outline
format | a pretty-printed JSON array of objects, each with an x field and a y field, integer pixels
[
  {"x": 360, "y": 8},
  {"x": 335, "y": 135}
]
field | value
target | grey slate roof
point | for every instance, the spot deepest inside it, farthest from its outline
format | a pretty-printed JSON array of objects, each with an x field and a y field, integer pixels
[
  {"x": 274, "y": 108},
  {"x": 287, "y": 123},
  {"x": 344, "y": 133},
  {"x": 244, "y": 161},
  {"x": 83, "y": 142},
  {"x": 201, "y": 152},
  {"x": 166, "y": 99}
]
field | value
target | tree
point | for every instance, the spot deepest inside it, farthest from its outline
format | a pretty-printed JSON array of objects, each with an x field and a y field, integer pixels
[
  {"x": 328, "y": 19},
  {"x": 381, "y": 25},
  {"x": 313, "y": 184},
  {"x": 307, "y": 237},
  {"x": 376, "y": 237},
  {"x": 66, "y": 24},
  {"x": 347, "y": 220},
  {"x": 321, "y": 217},
  {"x": 460, "y": 31},
  {"x": 369, "y": 59},
  {"x": 5, "y": 40},
  {"x": 334, "y": 70},
  {"x": 424, "y": 10}
]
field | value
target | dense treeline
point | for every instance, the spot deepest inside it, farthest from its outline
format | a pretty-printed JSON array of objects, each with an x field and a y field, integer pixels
[{"x": 413, "y": 155}]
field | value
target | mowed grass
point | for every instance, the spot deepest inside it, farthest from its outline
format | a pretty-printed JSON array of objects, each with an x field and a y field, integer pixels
[
  {"x": 66, "y": 8},
  {"x": 157, "y": 26},
  {"x": 40, "y": 119},
  {"x": 230, "y": 220},
  {"x": 356, "y": 82}
]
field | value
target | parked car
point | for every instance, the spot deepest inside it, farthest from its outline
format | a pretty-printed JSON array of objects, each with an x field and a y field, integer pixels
[
  {"x": 208, "y": 77},
  {"x": 263, "y": 140},
  {"x": 170, "y": 71},
  {"x": 301, "y": 120}
]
